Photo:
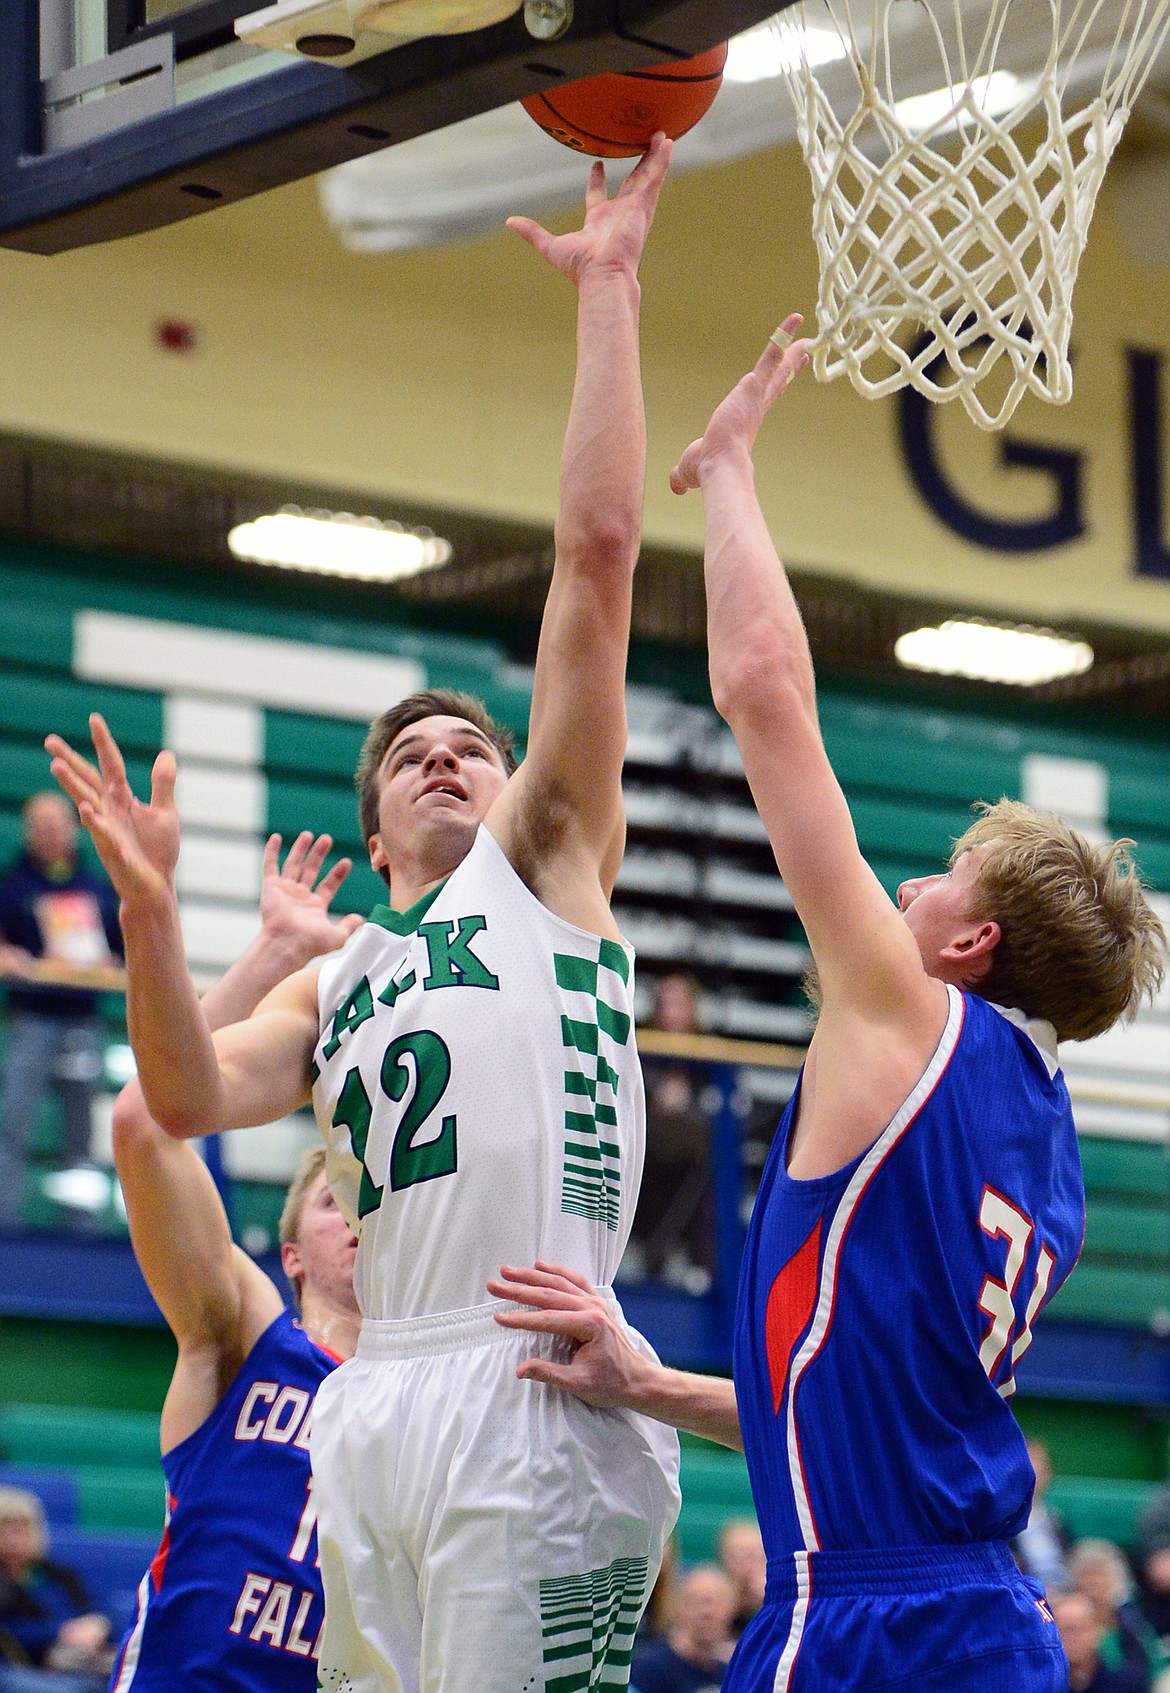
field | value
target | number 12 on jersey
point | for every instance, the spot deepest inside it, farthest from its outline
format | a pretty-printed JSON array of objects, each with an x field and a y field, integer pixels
[
  {"x": 999, "y": 1218},
  {"x": 422, "y": 1059}
]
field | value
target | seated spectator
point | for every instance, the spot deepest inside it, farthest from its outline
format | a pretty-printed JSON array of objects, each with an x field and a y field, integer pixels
[
  {"x": 53, "y": 912},
  {"x": 1080, "y": 1631},
  {"x": 673, "y": 1228},
  {"x": 741, "y": 1553},
  {"x": 1152, "y": 1560},
  {"x": 1042, "y": 1549},
  {"x": 1097, "y": 1568},
  {"x": 660, "y": 1607},
  {"x": 50, "y": 1635},
  {"x": 697, "y": 1648}
]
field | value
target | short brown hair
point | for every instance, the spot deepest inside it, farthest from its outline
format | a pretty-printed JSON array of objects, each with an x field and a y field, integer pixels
[
  {"x": 1080, "y": 945},
  {"x": 289, "y": 1227},
  {"x": 385, "y": 730}
]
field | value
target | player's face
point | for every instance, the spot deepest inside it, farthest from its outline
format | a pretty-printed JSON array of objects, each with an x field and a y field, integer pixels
[
  {"x": 937, "y": 909},
  {"x": 326, "y": 1247},
  {"x": 439, "y": 779}
]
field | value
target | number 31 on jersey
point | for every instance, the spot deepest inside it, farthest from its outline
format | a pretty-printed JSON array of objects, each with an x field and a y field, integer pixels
[{"x": 1000, "y": 1219}]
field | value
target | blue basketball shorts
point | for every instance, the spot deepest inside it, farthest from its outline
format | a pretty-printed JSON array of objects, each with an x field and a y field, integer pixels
[{"x": 920, "y": 1619}]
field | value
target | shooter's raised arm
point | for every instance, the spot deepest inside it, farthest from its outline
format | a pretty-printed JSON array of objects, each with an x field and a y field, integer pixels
[{"x": 577, "y": 730}]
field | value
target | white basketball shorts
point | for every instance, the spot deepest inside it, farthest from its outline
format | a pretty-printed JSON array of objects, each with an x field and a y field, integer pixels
[{"x": 480, "y": 1534}]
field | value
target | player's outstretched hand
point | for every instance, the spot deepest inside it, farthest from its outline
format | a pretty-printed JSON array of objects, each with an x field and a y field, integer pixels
[
  {"x": 294, "y": 905},
  {"x": 736, "y": 422},
  {"x": 614, "y": 232},
  {"x": 605, "y": 1370},
  {"x": 137, "y": 843}
]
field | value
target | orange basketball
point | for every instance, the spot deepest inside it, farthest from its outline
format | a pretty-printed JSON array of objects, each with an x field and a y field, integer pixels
[{"x": 617, "y": 115}]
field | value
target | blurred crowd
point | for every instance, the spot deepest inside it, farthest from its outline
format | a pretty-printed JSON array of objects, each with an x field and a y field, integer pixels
[
  {"x": 52, "y": 1637},
  {"x": 695, "y": 1616},
  {"x": 1112, "y": 1606}
]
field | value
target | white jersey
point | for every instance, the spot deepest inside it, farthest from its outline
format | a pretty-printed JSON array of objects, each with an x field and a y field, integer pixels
[{"x": 479, "y": 1091}]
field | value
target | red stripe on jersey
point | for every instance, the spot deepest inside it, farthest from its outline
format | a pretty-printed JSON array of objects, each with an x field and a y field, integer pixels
[
  {"x": 158, "y": 1563},
  {"x": 791, "y": 1300}
]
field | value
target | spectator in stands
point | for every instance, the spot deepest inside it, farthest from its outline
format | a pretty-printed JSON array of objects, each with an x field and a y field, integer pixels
[
  {"x": 1097, "y": 1568},
  {"x": 663, "y": 1601},
  {"x": 1080, "y": 1631},
  {"x": 55, "y": 912},
  {"x": 1152, "y": 1559},
  {"x": 673, "y": 1228},
  {"x": 50, "y": 1635},
  {"x": 699, "y": 1643},
  {"x": 1042, "y": 1549},
  {"x": 741, "y": 1553}
]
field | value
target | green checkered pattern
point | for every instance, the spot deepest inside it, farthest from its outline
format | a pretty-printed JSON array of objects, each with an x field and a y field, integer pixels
[
  {"x": 588, "y": 1624},
  {"x": 594, "y": 1033}
]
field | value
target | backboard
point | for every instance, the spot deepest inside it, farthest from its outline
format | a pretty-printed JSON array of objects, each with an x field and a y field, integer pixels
[{"x": 118, "y": 116}]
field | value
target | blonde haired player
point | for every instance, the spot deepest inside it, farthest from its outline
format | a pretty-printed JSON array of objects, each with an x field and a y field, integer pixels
[
  {"x": 472, "y": 1065},
  {"x": 923, "y": 1195}
]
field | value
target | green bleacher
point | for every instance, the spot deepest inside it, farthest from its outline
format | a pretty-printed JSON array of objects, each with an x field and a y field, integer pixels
[
  {"x": 910, "y": 772},
  {"x": 1124, "y": 1272}
]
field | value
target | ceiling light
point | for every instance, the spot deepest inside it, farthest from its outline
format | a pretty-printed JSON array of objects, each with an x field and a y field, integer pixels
[
  {"x": 991, "y": 653},
  {"x": 993, "y": 95},
  {"x": 771, "y": 51},
  {"x": 338, "y": 544}
]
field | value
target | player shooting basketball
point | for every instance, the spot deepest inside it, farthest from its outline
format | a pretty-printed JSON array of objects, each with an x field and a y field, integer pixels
[
  {"x": 923, "y": 1195},
  {"x": 472, "y": 1066}
]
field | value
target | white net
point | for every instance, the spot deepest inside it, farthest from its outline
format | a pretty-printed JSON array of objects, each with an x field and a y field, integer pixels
[{"x": 956, "y": 149}]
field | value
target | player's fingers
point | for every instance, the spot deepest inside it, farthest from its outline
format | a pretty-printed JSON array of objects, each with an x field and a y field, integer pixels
[
  {"x": 80, "y": 790},
  {"x": 649, "y": 173},
  {"x": 58, "y": 748},
  {"x": 552, "y": 1375},
  {"x": 684, "y": 476},
  {"x": 271, "y": 865},
  {"x": 349, "y": 926},
  {"x": 568, "y": 1275},
  {"x": 294, "y": 858},
  {"x": 528, "y": 230},
  {"x": 162, "y": 781},
  {"x": 333, "y": 879},
  {"x": 110, "y": 760},
  {"x": 544, "y": 1278},
  {"x": 564, "y": 1324},
  {"x": 315, "y": 858},
  {"x": 596, "y": 192}
]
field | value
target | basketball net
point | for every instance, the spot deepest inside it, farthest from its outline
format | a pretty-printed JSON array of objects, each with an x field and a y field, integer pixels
[{"x": 949, "y": 232}]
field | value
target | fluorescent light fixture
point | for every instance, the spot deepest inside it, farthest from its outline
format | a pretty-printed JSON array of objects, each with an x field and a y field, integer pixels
[
  {"x": 771, "y": 50},
  {"x": 991, "y": 653},
  {"x": 119, "y": 1064},
  {"x": 993, "y": 94},
  {"x": 335, "y": 543}
]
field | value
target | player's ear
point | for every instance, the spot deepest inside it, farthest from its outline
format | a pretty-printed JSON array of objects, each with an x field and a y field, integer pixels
[
  {"x": 378, "y": 860},
  {"x": 290, "y": 1260},
  {"x": 973, "y": 951}
]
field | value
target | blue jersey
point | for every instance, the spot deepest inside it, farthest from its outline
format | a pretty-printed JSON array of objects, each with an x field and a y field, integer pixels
[
  {"x": 232, "y": 1601},
  {"x": 882, "y": 1309}
]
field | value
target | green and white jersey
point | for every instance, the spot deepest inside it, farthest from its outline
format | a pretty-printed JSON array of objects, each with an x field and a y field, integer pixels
[{"x": 479, "y": 1091}]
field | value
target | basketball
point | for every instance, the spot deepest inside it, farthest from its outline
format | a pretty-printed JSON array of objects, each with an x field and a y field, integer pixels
[{"x": 616, "y": 115}]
